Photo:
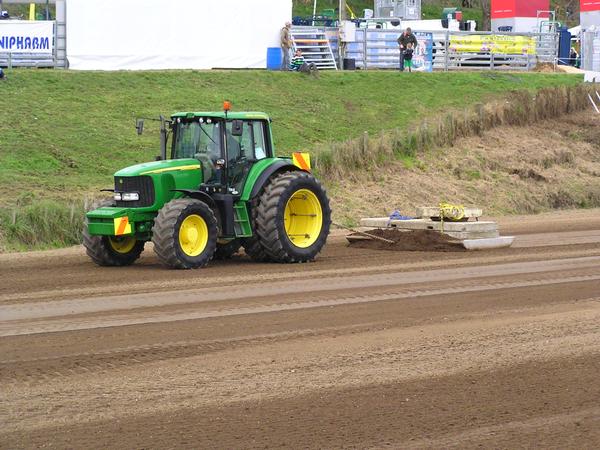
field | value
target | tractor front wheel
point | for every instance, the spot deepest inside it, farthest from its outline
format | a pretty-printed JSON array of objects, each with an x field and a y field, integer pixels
[
  {"x": 293, "y": 217},
  {"x": 112, "y": 250},
  {"x": 185, "y": 234}
]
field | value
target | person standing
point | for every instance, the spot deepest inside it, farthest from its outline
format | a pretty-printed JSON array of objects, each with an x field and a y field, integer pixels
[
  {"x": 573, "y": 57},
  {"x": 286, "y": 46},
  {"x": 408, "y": 55},
  {"x": 407, "y": 37}
]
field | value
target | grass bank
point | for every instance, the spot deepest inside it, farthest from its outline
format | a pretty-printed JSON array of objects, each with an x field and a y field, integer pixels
[
  {"x": 365, "y": 155},
  {"x": 63, "y": 134}
]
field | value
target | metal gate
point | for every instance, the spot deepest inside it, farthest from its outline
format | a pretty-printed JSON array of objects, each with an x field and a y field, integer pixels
[{"x": 378, "y": 49}]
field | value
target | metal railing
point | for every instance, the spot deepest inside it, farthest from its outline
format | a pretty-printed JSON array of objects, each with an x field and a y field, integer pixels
[{"x": 378, "y": 49}]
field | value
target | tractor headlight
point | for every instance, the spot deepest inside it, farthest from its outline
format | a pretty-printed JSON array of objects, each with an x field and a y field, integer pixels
[
  {"x": 117, "y": 196},
  {"x": 130, "y": 196}
]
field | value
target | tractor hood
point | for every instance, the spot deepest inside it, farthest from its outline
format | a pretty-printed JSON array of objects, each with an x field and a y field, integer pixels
[{"x": 158, "y": 167}]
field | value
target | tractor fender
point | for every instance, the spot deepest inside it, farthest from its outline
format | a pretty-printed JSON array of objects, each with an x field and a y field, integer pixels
[
  {"x": 198, "y": 195},
  {"x": 275, "y": 168}
]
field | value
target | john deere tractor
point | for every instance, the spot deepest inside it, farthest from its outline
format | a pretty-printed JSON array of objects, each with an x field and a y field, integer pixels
[{"x": 220, "y": 188}]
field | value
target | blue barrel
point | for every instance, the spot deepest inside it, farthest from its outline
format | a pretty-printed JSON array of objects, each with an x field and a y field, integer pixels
[
  {"x": 274, "y": 58},
  {"x": 564, "y": 47}
]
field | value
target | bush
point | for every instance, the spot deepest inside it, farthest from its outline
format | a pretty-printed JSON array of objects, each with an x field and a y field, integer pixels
[{"x": 41, "y": 225}]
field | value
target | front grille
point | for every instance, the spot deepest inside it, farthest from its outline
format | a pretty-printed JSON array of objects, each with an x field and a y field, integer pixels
[{"x": 143, "y": 185}]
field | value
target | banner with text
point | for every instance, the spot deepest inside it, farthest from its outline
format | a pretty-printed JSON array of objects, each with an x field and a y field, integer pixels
[
  {"x": 24, "y": 36},
  {"x": 508, "y": 45},
  {"x": 423, "y": 57},
  {"x": 502, "y": 9}
]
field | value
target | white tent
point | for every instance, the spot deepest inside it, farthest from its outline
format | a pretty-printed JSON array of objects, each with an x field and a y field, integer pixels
[
  {"x": 179, "y": 34},
  {"x": 575, "y": 31}
]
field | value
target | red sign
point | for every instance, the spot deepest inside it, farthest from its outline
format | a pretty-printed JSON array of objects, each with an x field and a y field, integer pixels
[
  {"x": 503, "y": 9},
  {"x": 530, "y": 8},
  {"x": 508, "y": 9},
  {"x": 590, "y": 5}
]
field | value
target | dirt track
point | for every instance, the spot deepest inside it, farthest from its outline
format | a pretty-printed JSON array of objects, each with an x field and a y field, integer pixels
[{"x": 359, "y": 349}]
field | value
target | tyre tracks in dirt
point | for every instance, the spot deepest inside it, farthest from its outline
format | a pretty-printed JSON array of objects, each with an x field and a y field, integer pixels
[{"x": 360, "y": 349}]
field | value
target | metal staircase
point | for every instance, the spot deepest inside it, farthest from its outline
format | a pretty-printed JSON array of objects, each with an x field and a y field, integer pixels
[{"x": 315, "y": 47}]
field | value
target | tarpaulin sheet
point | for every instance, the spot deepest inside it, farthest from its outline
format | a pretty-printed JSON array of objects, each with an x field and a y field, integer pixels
[
  {"x": 179, "y": 34},
  {"x": 24, "y": 36}
]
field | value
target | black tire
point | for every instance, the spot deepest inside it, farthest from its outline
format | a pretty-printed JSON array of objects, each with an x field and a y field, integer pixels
[
  {"x": 226, "y": 251},
  {"x": 103, "y": 249},
  {"x": 166, "y": 234},
  {"x": 271, "y": 226},
  {"x": 252, "y": 245}
]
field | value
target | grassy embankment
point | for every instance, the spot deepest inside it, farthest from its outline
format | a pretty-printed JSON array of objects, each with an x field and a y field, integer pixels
[{"x": 63, "y": 134}]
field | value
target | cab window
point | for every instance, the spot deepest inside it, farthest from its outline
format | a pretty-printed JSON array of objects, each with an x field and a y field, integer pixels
[
  {"x": 250, "y": 146},
  {"x": 258, "y": 129}
]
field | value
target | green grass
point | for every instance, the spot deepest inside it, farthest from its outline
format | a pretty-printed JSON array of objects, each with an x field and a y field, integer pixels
[
  {"x": 41, "y": 225},
  {"x": 65, "y": 133}
]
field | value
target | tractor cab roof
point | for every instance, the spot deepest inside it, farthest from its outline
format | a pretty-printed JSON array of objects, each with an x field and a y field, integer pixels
[{"x": 222, "y": 115}]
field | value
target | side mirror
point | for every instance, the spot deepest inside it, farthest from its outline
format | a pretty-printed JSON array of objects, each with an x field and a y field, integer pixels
[
  {"x": 139, "y": 126},
  {"x": 237, "y": 127}
]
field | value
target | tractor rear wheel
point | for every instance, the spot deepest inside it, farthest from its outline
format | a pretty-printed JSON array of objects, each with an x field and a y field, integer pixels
[
  {"x": 252, "y": 245},
  {"x": 293, "y": 217},
  {"x": 185, "y": 234},
  {"x": 111, "y": 250}
]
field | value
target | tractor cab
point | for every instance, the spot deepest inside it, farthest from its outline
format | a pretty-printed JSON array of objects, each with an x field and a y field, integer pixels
[{"x": 226, "y": 145}]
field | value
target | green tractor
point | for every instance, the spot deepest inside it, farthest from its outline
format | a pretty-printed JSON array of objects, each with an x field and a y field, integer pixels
[{"x": 222, "y": 188}]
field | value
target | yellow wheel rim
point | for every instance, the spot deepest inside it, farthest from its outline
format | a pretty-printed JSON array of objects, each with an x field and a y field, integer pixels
[
  {"x": 122, "y": 244},
  {"x": 193, "y": 235},
  {"x": 303, "y": 218}
]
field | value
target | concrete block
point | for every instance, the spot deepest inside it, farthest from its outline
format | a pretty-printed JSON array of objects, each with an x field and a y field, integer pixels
[
  {"x": 425, "y": 212},
  {"x": 486, "y": 244},
  {"x": 461, "y": 235}
]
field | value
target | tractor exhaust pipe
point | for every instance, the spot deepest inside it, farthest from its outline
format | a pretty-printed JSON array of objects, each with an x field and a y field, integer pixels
[{"x": 163, "y": 138}]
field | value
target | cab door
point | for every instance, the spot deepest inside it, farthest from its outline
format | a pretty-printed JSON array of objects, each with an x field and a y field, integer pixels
[{"x": 246, "y": 143}]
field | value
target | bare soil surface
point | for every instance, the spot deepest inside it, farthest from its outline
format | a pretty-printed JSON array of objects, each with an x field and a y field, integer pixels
[
  {"x": 411, "y": 241},
  {"x": 362, "y": 348}
]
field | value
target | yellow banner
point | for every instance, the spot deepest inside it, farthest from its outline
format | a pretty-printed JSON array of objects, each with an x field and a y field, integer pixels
[{"x": 507, "y": 45}]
